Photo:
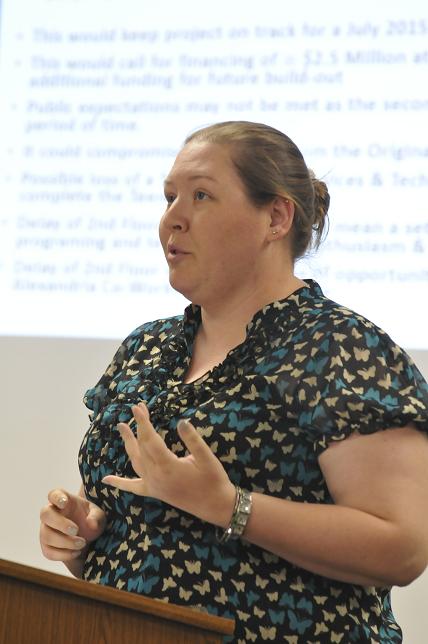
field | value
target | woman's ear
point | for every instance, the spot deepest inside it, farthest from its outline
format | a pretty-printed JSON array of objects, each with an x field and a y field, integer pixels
[{"x": 281, "y": 217}]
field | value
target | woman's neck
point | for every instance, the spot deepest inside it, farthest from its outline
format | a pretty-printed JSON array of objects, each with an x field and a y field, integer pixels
[
  {"x": 224, "y": 327},
  {"x": 224, "y": 324}
]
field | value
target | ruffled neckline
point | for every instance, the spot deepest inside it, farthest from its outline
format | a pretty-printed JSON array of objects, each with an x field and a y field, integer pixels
[
  {"x": 259, "y": 332},
  {"x": 192, "y": 313},
  {"x": 174, "y": 358}
]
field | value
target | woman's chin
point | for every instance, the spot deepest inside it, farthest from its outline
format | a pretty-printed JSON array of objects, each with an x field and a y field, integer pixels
[{"x": 182, "y": 286}]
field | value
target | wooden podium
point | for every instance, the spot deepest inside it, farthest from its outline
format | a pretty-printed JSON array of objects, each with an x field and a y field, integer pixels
[{"x": 39, "y": 607}]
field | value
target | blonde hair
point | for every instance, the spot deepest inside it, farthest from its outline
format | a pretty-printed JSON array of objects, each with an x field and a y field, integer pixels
[{"x": 269, "y": 164}]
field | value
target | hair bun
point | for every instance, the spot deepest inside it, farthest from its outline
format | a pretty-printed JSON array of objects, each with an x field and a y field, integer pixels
[{"x": 321, "y": 206}]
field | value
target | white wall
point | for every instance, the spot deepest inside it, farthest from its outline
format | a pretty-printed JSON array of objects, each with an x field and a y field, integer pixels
[{"x": 42, "y": 382}]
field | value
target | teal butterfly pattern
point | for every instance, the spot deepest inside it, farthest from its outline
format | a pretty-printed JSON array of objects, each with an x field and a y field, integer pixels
[{"x": 275, "y": 403}]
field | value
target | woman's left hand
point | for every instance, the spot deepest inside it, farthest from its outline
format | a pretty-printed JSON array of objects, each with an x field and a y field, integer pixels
[{"x": 196, "y": 483}]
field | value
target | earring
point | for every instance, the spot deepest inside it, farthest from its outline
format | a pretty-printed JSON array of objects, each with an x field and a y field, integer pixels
[{"x": 274, "y": 232}]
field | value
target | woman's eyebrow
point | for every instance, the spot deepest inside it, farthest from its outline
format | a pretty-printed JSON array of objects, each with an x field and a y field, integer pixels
[{"x": 193, "y": 177}]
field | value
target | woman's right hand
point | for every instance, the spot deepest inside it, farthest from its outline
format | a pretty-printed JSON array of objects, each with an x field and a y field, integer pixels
[{"x": 68, "y": 524}]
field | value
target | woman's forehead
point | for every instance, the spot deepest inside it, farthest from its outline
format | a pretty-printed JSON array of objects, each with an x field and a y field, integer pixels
[{"x": 201, "y": 158}]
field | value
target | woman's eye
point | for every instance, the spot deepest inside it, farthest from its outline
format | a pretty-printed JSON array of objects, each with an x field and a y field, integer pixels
[
  {"x": 169, "y": 198},
  {"x": 200, "y": 195}
]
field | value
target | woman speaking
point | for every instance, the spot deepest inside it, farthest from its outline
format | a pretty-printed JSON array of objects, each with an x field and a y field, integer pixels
[{"x": 263, "y": 456}]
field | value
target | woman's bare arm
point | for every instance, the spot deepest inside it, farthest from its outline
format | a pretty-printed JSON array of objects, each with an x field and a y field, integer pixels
[{"x": 376, "y": 533}]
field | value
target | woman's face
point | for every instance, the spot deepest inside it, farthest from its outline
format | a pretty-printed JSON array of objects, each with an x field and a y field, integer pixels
[{"x": 211, "y": 234}]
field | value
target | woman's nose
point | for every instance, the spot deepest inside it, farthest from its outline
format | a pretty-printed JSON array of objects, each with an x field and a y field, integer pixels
[{"x": 175, "y": 217}]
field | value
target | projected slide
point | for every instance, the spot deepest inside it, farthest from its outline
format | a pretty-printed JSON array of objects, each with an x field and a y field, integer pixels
[{"x": 97, "y": 97}]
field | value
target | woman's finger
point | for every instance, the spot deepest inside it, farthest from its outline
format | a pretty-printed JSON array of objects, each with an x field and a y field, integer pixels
[
  {"x": 148, "y": 438},
  {"x": 59, "y": 498},
  {"x": 136, "y": 486},
  {"x": 129, "y": 440},
  {"x": 56, "y": 554},
  {"x": 69, "y": 505},
  {"x": 50, "y": 516},
  {"x": 195, "y": 444},
  {"x": 139, "y": 458},
  {"x": 54, "y": 539},
  {"x": 96, "y": 518}
]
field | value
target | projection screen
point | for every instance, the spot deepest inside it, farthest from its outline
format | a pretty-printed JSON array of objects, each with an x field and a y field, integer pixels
[{"x": 98, "y": 97}]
